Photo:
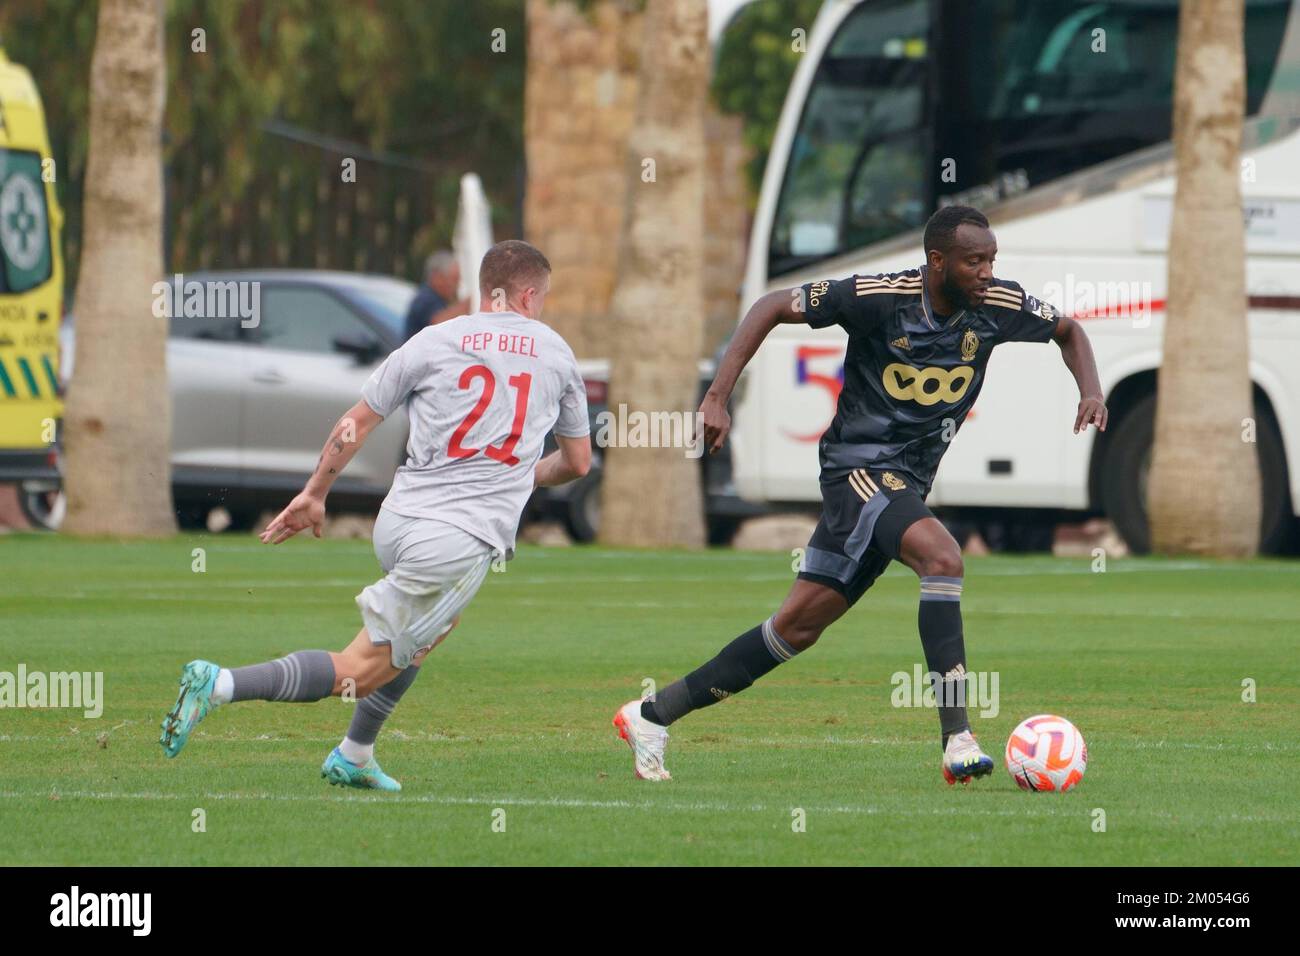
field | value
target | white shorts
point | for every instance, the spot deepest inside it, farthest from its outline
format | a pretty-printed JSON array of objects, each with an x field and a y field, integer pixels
[{"x": 434, "y": 571}]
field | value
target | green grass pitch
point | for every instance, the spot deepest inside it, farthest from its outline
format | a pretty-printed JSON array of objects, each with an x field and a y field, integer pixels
[{"x": 509, "y": 722}]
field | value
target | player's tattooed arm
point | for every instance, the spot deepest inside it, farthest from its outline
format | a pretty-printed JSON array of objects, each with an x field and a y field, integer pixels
[
  {"x": 307, "y": 510},
  {"x": 1076, "y": 351},
  {"x": 346, "y": 439},
  {"x": 763, "y": 316}
]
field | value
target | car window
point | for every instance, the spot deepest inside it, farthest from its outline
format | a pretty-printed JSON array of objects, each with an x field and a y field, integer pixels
[
  {"x": 302, "y": 319},
  {"x": 386, "y": 300},
  {"x": 213, "y": 310}
]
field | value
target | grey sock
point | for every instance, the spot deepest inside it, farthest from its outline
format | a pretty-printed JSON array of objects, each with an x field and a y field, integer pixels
[
  {"x": 373, "y": 709},
  {"x": 302, "y": 676}
]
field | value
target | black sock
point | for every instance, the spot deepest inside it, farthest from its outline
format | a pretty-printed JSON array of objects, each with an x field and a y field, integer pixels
[
  {"x": 939, "y": 620},
  {"x": 737, "y": 665}
]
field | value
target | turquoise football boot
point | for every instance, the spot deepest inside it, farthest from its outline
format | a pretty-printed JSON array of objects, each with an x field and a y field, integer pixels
[
  {"x": 198, "y": 678},
  {"x": 341, "y": 772}
]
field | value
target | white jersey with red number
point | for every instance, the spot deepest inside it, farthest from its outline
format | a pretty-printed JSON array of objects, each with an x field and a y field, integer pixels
[{"x": 481, "y": 393}]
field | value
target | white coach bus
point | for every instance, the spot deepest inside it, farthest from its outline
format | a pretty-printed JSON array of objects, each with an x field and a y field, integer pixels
[{"x": 1054, "y": 117}]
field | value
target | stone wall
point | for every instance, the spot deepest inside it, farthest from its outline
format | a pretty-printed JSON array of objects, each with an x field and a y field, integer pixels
[{"x": 580, "y": 102}]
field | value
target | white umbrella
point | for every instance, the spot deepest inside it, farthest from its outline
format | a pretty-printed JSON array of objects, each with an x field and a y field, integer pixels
[{"x": 472, "y": 236}]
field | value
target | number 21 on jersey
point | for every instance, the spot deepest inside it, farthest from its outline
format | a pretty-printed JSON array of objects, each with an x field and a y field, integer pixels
[{"x": 504, "y": 452}]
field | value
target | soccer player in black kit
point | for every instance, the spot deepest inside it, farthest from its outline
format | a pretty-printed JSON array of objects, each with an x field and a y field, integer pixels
[{"x": 919, "y": 341}]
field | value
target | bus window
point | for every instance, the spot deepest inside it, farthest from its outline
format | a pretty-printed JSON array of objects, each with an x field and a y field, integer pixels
[
  {"x": 24, "y": 223},
  {"x": 856, "y": 171},
  {"x": 1025, "y": 92},
  {"x": 1033, "y": 91}
]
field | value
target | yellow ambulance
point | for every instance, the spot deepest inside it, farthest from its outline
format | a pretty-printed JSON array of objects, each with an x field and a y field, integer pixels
[{"x": 31, "y": 293}]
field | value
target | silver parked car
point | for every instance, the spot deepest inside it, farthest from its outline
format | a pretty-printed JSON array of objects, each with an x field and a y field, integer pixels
[{"x": 253, "y": 398}]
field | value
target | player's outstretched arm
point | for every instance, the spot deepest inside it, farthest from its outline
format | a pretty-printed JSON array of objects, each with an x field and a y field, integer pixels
[
  {"x": 763, "y": 316},
  {"x": 307, "y": 510},
  {"x": 1076, "y": 351},
  {"x": 571, "y": 460}
]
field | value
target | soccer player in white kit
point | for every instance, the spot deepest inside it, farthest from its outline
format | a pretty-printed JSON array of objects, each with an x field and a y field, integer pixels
[{"x": 481, "y": 392}]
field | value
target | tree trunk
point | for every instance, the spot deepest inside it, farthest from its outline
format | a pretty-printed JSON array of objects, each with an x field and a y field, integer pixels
[
  {"x": 651, "y": 496},
  {"x": 118, "y": 422},
  {"x": 580, "y": 101},
  {"x": 1204, "y": 486}
]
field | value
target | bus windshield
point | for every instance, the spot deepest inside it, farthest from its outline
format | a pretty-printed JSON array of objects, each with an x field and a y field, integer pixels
[
  {"x": 918, "y": 103},
  {"x": 856, "y": 168}
]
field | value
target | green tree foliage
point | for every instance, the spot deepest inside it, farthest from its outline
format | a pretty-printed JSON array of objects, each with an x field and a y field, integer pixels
[
  {"x": 755, "y": 61},
  {"x": 413, "y": 90}
]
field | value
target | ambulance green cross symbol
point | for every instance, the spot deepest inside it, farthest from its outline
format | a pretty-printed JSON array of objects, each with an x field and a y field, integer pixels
[
  {"x": 21, "y": 222},
  {"x": 22, "y": 225}
]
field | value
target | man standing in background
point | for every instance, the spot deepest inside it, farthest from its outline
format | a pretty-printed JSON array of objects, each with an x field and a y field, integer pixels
[{"x": 436, "y": 301}]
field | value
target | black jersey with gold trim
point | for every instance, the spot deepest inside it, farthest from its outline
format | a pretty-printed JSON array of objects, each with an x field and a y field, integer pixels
[{"x": 910, "y": 376}]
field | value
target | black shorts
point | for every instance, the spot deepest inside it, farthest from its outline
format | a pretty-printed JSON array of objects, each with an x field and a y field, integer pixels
[{"x": 861, "y": 529}]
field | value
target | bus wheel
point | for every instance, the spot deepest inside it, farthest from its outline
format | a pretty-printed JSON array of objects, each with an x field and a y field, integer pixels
[
  {"x": 44, "y": 503},
  {"x": 1128, "y": 464}
]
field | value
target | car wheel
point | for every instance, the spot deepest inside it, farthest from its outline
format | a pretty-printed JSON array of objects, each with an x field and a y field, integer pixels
[
  {"x": 582, "y": 519},
  {"x": 242, "y": 519},
  {"x": 722, "y": 529}
]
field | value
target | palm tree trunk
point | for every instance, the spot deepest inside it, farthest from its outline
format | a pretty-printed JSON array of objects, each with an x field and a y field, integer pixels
[
  {"x": 651, "y": 496},
  {"x": 1204, "y": 487},
  {"x": 118, "y": 423}
]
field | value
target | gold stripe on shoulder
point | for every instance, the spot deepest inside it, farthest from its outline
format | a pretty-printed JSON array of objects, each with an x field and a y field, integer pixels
[
  {"x": 1004, "y": 293},
  {"x": 896, "y": 280},
  {"x": 875, "y": 285},
  {"x": 916, "y": 291},
  {"x": 872, "y": 284},
  {"x": 885, "y": 283}
]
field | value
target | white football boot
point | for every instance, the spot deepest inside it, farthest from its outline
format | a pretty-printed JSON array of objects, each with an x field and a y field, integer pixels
[
  {"x": 963, "y": 759},
  {"x": 646, "y": 739}
]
